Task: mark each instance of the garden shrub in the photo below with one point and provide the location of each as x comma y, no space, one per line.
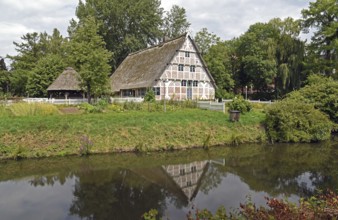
239,104
322,92
295,121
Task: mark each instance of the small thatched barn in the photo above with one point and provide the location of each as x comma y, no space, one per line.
173,69
66,85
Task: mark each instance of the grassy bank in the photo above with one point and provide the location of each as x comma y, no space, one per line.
59,135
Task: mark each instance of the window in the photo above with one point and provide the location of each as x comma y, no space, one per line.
193,169
157,90
180,67
189,83
189,183
187,54
127,93
182,171
184,83
192,68
195,83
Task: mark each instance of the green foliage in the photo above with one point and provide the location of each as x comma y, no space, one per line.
175,22
296,121
220,65
204,40
98,107
151,215
322,92
132,106
43,74
224,94
149,96
89,56
32,109
35,57
125,26
239,104
322,17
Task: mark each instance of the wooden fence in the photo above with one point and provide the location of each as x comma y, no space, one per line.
215,106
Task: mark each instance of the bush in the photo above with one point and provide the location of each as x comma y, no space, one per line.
294,121
322,92
239,104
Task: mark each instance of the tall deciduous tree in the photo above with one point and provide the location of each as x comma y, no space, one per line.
126,26
43,74
175,22
204,40
90,58
33,48
219,64
322,16
4,77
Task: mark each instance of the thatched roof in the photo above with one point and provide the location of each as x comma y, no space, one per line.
142,68
68,80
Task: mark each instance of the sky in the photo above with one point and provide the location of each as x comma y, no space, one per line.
225,18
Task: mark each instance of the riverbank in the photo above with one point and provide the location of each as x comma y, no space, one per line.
61,135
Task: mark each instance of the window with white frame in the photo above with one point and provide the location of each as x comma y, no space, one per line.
187,54
184,83
192,68
195,83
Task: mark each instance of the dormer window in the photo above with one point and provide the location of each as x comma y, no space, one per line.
187,54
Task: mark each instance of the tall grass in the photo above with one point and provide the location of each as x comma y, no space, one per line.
32,109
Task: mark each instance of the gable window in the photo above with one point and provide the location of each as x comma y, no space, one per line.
192,68
195,83
187,54
157,90
184,83
180,67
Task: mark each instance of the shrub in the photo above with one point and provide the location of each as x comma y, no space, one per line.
239,104
88,108
322,92
294,121
132,106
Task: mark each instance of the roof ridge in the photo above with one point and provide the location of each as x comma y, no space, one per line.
158,45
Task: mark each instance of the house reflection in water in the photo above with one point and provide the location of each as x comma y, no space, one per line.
188,177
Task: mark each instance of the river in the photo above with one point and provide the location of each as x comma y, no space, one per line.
124,186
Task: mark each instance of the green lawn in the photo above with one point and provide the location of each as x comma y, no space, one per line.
58,135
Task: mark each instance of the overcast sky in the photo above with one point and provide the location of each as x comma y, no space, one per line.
225,18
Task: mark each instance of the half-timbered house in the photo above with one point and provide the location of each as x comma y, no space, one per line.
173,69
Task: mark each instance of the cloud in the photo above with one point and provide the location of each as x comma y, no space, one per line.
225,18
19,17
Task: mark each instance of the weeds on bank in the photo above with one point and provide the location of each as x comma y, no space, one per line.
324,206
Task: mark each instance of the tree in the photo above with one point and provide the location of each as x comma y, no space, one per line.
90,58
204,40
43,74
34,47
322,16
219,63
175,22
126,26
4,77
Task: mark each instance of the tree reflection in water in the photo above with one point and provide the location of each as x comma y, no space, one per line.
126,186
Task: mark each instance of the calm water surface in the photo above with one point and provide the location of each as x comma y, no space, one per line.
125,186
